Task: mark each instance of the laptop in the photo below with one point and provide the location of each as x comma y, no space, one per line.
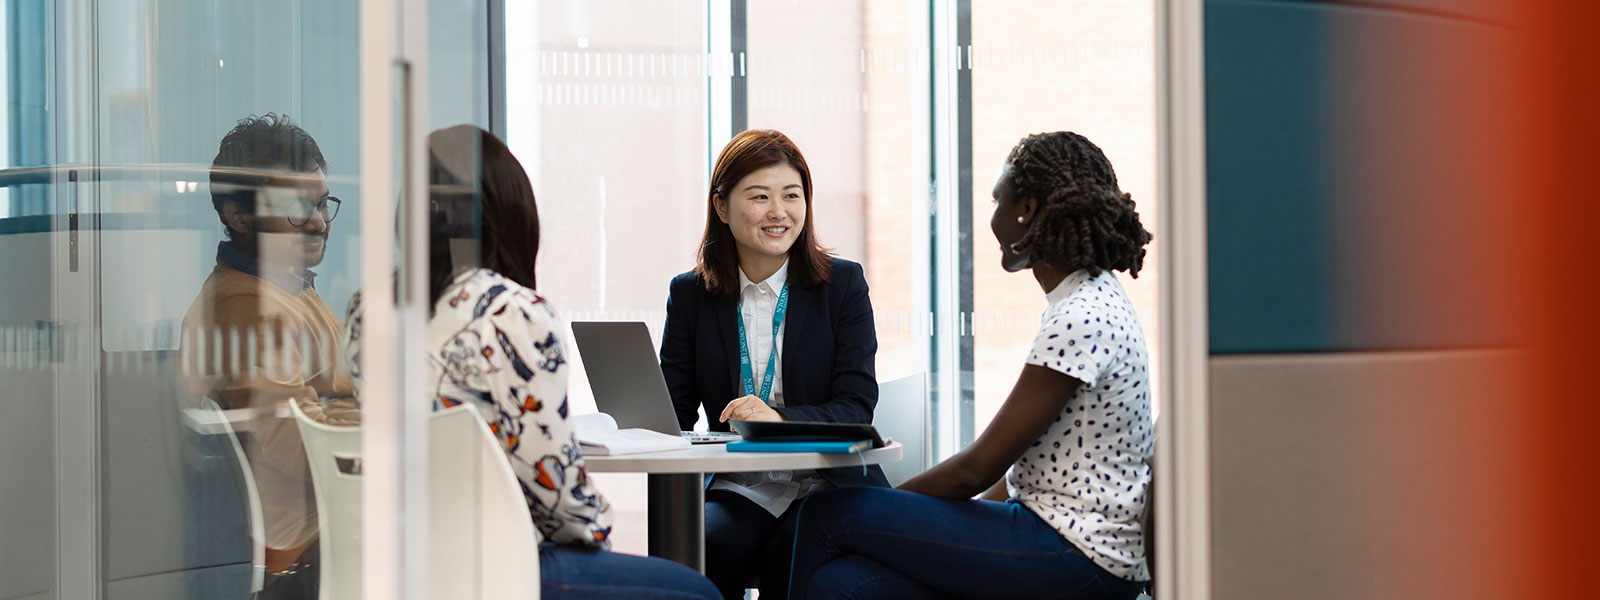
626,378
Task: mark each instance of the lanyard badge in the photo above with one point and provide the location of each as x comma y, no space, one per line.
746,372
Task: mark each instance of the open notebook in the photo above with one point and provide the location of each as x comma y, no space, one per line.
598,435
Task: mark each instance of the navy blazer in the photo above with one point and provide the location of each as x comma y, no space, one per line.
829,348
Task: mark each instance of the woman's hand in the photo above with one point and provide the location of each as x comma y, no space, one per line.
1034,404
997,492
938,482
925,486
749,408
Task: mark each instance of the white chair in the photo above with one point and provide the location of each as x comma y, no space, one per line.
902,414
334,455
211,420
481,539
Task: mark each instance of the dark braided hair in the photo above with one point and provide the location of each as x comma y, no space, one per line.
1084,221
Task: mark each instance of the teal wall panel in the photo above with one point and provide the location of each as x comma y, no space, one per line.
1354,170
1266,113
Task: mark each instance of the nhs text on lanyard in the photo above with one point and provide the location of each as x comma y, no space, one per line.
745,370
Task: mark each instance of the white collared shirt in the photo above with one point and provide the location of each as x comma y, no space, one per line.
757,303
772,490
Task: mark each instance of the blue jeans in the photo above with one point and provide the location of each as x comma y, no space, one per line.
567,572
884,543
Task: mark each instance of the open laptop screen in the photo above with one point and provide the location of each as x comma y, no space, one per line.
625,374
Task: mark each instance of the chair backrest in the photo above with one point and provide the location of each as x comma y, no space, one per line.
334,454
902,414
210,419
481,539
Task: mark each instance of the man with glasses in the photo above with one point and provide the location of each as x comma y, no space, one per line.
259,336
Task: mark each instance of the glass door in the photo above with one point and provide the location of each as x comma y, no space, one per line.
218,171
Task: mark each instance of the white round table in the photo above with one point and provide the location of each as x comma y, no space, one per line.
677,486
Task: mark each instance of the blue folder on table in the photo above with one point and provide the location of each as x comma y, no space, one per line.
778,445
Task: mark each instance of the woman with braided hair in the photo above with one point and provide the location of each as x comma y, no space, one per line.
1063,460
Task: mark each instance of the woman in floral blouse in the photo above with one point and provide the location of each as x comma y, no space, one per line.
493,344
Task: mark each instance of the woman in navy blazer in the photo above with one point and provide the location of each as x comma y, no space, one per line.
761,269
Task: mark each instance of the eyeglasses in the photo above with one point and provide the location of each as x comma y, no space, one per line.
299,212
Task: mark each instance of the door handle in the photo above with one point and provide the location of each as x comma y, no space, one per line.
72,221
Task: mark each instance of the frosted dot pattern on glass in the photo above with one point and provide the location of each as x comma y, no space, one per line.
1086,476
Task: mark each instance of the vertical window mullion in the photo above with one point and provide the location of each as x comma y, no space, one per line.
951,356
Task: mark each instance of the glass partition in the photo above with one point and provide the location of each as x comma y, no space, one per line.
607,109
1085,66
839,77
32,356
225,149
172,175
29,330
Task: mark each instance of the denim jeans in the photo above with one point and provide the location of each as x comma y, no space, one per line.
884,543
566,572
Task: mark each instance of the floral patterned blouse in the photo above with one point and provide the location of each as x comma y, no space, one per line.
493,345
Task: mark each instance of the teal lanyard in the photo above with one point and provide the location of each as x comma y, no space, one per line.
745,371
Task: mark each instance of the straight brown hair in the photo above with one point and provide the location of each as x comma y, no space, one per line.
746,153
479,190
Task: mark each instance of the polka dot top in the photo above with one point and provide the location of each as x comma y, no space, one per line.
1086,476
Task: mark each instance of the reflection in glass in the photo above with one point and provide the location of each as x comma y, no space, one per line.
259,334
300,211
180,309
